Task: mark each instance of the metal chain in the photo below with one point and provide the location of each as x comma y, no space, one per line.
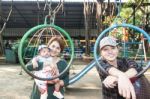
52,12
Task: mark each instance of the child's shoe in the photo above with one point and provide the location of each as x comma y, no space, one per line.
58,95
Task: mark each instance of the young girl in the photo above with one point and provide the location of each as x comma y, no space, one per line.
117,84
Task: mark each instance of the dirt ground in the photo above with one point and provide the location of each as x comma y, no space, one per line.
12,84
16,86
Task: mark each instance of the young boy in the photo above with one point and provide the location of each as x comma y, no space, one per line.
44,57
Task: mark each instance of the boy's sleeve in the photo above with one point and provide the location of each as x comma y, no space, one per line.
133,64
105,65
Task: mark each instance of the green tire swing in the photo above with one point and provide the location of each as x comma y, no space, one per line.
96,46
30,33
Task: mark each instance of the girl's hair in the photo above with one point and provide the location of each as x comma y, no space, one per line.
59,40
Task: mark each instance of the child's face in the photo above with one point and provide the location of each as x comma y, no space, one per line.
109,53
44,52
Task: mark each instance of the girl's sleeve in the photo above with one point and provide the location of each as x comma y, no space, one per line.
29,65
65,77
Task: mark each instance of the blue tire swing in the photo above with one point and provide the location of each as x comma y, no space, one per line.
29,33
96,46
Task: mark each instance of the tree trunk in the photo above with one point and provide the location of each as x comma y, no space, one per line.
99,17
88,21
87,35
1,38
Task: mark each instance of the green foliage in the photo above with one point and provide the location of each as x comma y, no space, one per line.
117,33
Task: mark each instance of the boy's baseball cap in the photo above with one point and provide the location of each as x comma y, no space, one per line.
41,47
109,40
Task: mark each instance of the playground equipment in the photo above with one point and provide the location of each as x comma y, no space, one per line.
127,44
90,65
141,49
31,32
93,63
40,34
116,26
97,58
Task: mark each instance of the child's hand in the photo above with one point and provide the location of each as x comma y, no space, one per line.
61,82
34,62
53,65
41,90
35,65
110,81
